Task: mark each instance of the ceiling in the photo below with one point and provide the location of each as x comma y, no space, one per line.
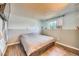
42,8
37,10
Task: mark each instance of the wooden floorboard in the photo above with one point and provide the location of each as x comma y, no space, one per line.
58,51
17,50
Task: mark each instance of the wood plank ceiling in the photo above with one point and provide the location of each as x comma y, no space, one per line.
38,10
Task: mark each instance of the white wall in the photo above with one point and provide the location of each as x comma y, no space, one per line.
70,21
29,24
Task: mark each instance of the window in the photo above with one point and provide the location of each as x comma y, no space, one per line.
53,24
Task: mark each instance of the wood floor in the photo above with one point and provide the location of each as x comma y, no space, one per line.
58,51
17,50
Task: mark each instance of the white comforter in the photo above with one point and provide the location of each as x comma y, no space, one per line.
33,42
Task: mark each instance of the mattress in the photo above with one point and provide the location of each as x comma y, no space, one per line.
33,42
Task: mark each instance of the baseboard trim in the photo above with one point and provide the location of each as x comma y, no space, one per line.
13,43
68,48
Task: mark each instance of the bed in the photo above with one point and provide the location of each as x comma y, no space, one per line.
36,44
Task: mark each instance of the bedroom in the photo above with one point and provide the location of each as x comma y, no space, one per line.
23,23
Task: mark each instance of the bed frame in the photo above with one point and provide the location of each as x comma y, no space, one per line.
42,50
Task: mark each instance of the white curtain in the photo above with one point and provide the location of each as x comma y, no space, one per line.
1,25
3,36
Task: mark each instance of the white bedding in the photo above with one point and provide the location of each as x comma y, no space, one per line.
33,42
